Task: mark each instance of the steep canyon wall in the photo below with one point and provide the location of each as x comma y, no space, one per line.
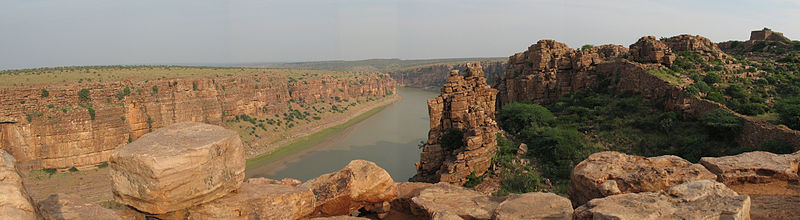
64,130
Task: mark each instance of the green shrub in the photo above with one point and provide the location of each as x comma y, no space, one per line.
84,95
722,123
776,146
155,89
712,78
788,110
587,46
50,171
452,139
102,165
194,86
515,117
73,169
473,180
558,148
519,182
45,93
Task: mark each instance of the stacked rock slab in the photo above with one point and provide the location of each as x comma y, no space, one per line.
467,104
446,201
359,184
15,203
754,167
611,173
550,69
650,50
177,167
66,206
259,199
702,199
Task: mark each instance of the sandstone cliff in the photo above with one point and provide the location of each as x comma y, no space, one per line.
465,107
66,129
549,70
434,76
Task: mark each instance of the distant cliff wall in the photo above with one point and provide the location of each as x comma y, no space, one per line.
63,130
434,76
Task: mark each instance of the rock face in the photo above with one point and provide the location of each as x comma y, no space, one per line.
768,35
444,198
435,76
177,167
550,69
15,203
703,199
357,185
467,104
753,167
259,200
650,50
55,132
534,206
610,173
696,43
72,207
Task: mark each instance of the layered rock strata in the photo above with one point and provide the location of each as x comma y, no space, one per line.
71,207
177,167
15,203
64,129
611,173
702,199
549,70
466,105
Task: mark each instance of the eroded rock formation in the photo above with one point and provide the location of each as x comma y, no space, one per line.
702,199
177,167
15,203
466,105
262,198
650,50
611,173
359,184
59,131
72,207
754,167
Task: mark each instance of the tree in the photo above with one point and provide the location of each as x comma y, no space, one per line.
587,46
45,93
84,95
517,116
722,123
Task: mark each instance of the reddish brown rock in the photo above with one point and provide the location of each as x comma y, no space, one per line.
754,167
534,206
702,199
445,201
699,44
259,200
177,167
72,207
357,185
610,173
15,203
467,104
649,49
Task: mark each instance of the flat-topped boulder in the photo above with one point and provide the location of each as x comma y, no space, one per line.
15,203
702,199
359,184
610,173
259,199
444,199
177,167
534,206
754,167
73,207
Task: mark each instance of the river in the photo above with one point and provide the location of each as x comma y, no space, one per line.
389,138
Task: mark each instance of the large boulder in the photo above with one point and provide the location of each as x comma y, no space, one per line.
650,50
534,206
259,199
754,167
359,184
15,203
703,199
444,200
610,173
176,167
69,207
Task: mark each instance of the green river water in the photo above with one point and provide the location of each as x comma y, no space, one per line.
388,137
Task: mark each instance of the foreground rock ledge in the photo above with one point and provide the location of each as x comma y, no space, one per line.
754,167
359,184
66,206
703,199
14,200
177,167
610,173
259,199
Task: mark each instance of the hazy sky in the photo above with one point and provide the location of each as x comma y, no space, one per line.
38,33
